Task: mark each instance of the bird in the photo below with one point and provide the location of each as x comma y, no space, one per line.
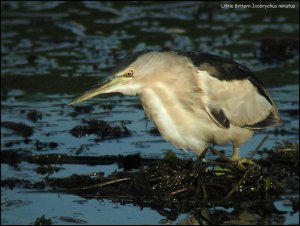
195,99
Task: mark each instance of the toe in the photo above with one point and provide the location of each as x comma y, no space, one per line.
242,163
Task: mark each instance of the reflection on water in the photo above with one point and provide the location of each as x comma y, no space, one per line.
51,51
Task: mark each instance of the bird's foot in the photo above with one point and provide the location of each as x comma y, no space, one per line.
242,163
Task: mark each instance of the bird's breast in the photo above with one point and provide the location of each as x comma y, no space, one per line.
159,104
175,121
185,123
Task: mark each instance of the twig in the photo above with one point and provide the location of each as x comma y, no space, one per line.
204,193
252,153
47,159
178,191
239,183
224,157
107,183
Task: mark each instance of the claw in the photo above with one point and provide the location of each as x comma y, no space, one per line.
242,163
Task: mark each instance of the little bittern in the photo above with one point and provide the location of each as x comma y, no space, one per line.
194,98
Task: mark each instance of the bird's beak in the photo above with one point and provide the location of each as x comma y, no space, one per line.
107,86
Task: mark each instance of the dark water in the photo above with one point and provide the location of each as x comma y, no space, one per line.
51,51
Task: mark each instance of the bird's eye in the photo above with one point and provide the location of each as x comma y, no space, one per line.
128,73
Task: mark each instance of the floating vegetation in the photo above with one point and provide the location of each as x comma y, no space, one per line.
173,186
277,50
81,110
100,128
19,128
42,221
34,116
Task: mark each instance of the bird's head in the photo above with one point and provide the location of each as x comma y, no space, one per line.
134,73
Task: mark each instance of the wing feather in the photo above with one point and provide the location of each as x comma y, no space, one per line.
241,102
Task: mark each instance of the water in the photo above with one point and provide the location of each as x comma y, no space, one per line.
51,51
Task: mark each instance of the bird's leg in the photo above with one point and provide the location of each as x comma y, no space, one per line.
240,162
236,154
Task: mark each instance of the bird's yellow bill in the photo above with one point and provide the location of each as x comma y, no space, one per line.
105,87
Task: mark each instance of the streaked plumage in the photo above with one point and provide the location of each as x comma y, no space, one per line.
194,98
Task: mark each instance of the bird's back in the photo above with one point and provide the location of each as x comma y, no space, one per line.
225,73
